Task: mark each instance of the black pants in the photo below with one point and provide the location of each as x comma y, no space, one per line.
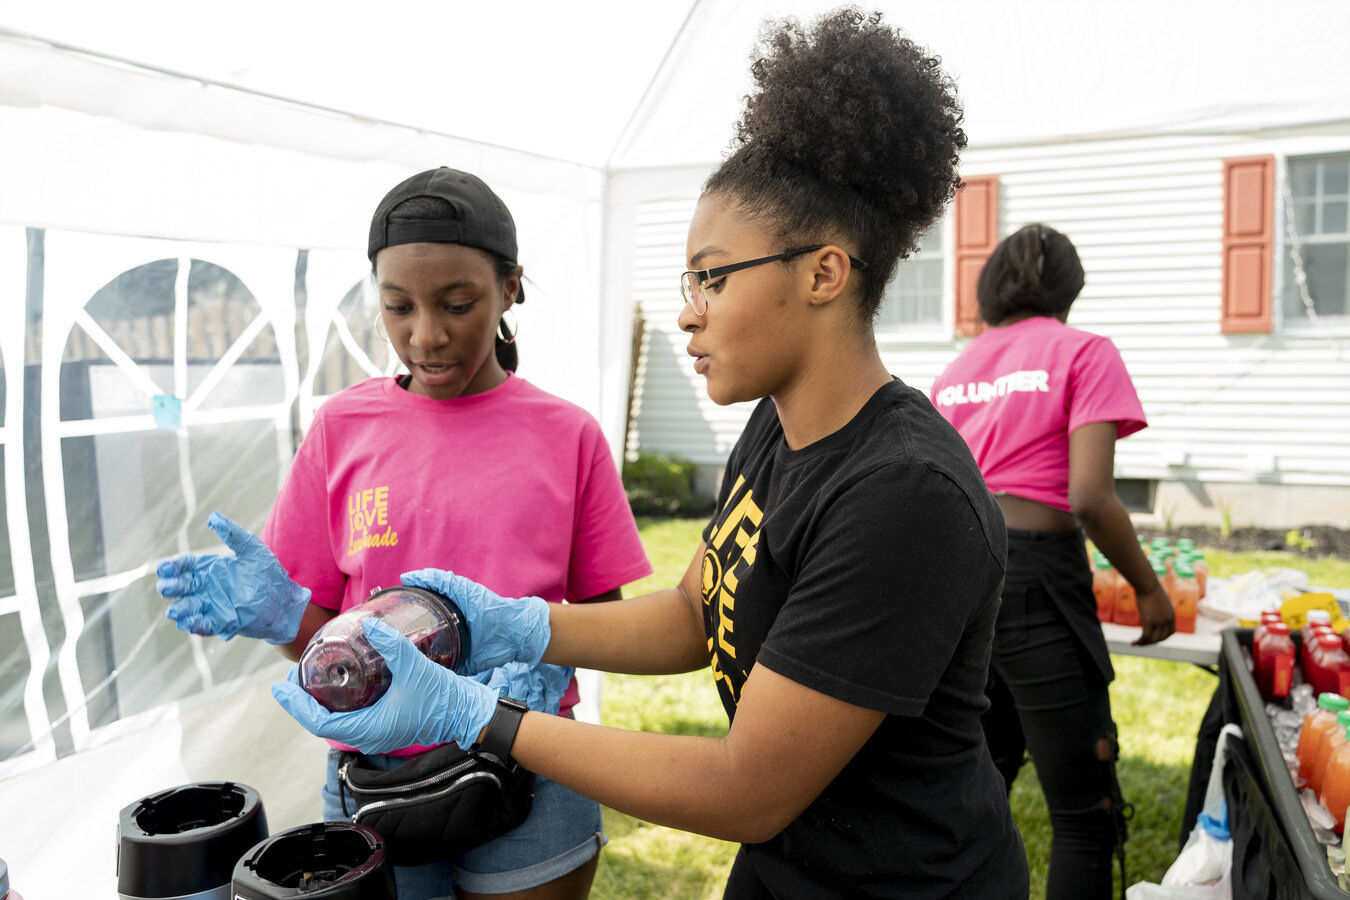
1048,694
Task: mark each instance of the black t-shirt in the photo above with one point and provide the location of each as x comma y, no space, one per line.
867,566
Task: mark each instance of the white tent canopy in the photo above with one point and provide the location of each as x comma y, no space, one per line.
256,137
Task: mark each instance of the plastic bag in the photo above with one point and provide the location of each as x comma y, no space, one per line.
1203,869
1245,596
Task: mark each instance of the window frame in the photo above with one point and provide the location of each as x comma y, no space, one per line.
1281,322
940,330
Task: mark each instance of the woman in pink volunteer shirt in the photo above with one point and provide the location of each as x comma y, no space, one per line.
460,464
1041,406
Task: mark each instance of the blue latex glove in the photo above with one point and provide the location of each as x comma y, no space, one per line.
247,593
501,630
540,687
426,703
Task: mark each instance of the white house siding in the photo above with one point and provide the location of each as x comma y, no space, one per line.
1236,421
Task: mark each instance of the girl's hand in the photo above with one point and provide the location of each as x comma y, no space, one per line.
426,703
1155,615
501,630
246,592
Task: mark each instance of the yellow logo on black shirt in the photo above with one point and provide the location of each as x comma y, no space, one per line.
730,554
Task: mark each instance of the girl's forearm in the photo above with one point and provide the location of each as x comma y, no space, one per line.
655,634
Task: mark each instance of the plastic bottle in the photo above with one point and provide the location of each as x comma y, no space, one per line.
1275,660
1201,571
1104,588
1127,610
1307,634
1329,665
1315,723
1335,795
343,672
1268,617
1185,594
5,892
1327,744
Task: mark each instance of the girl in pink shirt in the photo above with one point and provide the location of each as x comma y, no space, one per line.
460,464
1041,406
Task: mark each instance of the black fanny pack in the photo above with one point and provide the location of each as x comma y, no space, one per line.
438,804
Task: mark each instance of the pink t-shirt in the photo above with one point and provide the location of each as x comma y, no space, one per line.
1016,392
514,488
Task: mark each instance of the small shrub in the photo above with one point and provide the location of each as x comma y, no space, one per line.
660,484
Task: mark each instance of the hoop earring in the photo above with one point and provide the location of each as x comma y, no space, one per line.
509,335
379,329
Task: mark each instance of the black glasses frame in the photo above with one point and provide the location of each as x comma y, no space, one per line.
702,276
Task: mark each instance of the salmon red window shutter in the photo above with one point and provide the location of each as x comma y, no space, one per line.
1248,244
975,220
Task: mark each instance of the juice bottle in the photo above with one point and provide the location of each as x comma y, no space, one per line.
1185,595
1275,659
1327,743
1308,633
1104,588
1314,725
1335,795
1127,610
1328,668
1268,617
1201,571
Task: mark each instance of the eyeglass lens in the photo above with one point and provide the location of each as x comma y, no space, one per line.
692,289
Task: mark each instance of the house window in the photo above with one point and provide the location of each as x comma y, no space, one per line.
914,296
1317,212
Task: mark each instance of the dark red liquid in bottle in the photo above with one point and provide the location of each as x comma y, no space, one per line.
343,672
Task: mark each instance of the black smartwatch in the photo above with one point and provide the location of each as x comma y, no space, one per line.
501,731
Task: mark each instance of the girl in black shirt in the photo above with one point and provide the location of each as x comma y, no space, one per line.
845,593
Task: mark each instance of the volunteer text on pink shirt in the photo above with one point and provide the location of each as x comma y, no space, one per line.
1016,392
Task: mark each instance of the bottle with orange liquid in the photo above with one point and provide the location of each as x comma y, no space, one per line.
1201,571
1275,658
1315,724
1127,610
1335,795
1185,594
1327,744
1104,587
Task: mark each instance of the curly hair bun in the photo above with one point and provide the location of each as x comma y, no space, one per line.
851,128
860,106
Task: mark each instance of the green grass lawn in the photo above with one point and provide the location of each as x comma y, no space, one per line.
1157,706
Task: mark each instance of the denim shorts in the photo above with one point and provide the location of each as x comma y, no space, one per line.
562,833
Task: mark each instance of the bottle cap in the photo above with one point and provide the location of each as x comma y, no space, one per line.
1316,616
1185,544
1184,570
1333,702
1277,628
1328,639
1343,718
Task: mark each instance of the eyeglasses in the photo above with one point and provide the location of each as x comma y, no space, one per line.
692,282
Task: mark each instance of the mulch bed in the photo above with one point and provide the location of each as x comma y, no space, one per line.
1312,541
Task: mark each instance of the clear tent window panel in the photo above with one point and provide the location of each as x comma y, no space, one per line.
1315,263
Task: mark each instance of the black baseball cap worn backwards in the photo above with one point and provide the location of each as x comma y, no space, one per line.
479,218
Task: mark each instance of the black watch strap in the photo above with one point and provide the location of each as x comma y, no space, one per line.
501,731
